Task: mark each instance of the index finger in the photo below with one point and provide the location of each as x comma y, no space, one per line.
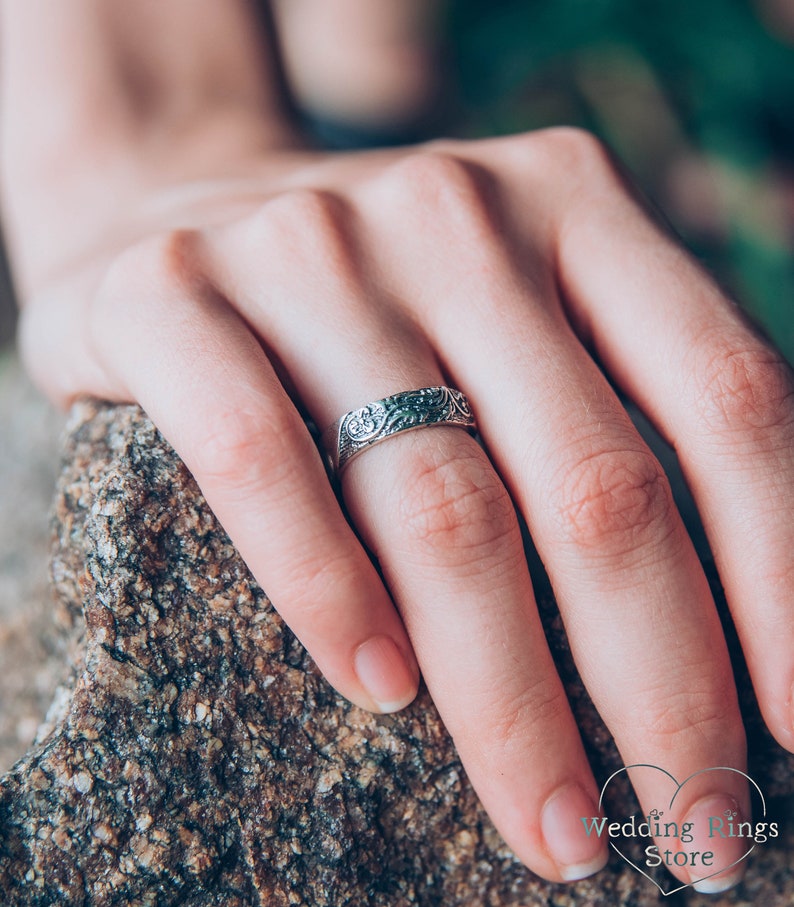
170,342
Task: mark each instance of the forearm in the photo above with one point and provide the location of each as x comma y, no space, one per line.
96,95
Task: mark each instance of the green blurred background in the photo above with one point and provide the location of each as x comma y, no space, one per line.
696,96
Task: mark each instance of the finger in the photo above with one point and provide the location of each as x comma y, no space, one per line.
444,532
205,381
636,604
725,400
627,579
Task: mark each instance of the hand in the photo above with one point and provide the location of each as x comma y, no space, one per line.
324,282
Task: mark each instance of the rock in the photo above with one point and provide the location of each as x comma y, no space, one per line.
32,660
196,756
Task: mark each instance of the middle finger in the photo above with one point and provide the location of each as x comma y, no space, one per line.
437,517
637,607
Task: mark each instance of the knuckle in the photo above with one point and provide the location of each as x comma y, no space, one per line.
453,507
572,150
303,208
318,586
614,502
244,450
451,193
308,221
746,389
139,286
672,722
298,215
533,710
434,169
159,266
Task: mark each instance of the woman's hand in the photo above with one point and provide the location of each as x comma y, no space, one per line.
318,283
174,247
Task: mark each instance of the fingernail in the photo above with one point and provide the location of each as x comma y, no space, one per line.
384,673
576,853
715,826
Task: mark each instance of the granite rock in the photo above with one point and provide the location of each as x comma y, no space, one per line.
196,757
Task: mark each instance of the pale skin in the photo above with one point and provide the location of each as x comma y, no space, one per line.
174,244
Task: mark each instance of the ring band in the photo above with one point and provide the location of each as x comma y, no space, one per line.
406,411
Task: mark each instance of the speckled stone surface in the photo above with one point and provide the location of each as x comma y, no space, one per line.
196,757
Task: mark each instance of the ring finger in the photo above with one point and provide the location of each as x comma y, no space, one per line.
639,614
435,514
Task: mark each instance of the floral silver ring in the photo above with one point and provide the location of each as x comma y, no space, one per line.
405,411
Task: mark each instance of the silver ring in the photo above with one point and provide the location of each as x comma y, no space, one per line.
406,411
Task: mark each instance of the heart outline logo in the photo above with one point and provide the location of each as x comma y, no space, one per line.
679,786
